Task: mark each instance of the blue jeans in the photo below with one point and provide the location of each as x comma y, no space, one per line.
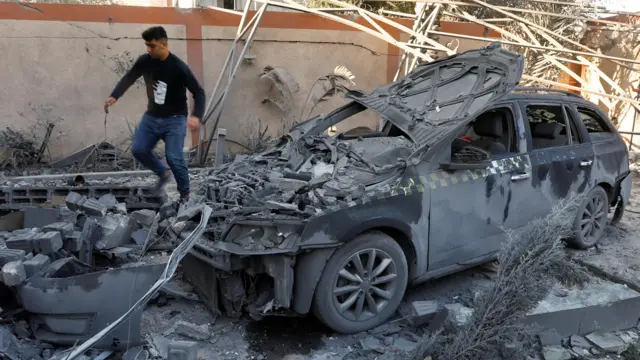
172,131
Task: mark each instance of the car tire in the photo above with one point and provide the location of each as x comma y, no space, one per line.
343,302
591,219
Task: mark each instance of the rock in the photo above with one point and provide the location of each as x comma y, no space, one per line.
9,255
13,273
371,343
274,205
556,353
64,228
385,329
140,236
196,332
405,345
21,329
608,342
458,315
183,350
36,264
74,200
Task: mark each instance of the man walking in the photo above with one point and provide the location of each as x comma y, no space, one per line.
167,78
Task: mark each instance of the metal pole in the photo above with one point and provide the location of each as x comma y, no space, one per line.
635,118
258,15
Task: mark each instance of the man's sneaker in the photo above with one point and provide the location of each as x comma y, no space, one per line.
185,199
161,182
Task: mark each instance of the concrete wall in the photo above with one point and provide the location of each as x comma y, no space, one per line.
62,61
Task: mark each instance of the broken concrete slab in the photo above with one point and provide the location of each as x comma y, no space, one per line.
93,207
13,349
140,236
458,314
577,319
75,290
13,273
136,353
36,264
108,200
48,242
579,341
116,231
608,342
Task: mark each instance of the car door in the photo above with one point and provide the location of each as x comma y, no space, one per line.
560,158
470,207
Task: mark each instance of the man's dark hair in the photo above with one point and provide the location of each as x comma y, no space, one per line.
157,33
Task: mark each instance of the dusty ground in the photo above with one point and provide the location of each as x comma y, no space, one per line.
306,338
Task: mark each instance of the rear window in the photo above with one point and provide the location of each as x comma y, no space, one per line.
596,126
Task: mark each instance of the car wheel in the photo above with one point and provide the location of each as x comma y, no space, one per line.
362,284
591,219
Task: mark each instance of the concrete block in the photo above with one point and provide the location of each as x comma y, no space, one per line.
116,231
13,273
93,207
64,228
182,350
22,241
36,264
423,311
39,217
74,200
193,331
144,217
556,353
73,242
48,242
9,255
108,200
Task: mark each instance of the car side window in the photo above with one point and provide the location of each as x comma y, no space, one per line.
548,126
490,134
592,121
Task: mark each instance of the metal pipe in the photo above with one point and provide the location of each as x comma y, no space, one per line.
220,143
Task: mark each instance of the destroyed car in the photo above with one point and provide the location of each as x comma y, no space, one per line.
340,225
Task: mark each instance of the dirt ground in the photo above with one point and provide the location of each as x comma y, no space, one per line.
305,338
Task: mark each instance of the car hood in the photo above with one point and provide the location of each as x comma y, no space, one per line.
438,97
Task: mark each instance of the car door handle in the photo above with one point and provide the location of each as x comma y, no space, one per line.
520,176
586,163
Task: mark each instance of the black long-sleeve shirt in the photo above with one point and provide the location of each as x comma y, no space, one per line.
167,81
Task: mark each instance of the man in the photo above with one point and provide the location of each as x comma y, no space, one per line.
167,78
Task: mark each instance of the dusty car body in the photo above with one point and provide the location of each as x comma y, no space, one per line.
340,226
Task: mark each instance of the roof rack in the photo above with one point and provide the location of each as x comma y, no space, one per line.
537,89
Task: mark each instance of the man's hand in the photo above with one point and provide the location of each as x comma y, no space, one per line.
193,123
110,101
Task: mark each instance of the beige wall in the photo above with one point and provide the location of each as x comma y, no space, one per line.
72,67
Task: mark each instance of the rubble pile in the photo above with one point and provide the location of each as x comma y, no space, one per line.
56,271
303,178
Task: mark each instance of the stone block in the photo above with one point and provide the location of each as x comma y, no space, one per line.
74,200
108,200
9,255
608,342
182,350
93,207
73,242
64,228
144,217
116,231
13,273
36,264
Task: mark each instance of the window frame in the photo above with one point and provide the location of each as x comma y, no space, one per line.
523,108
601,119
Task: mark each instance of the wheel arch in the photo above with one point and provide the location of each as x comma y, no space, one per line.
310,265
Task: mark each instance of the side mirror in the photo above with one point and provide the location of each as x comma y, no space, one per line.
453,166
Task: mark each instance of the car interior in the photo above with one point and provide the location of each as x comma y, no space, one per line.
492,131
548,126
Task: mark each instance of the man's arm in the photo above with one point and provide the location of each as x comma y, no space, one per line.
128,79
197,91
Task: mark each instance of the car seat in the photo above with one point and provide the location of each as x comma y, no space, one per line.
489,126
547,134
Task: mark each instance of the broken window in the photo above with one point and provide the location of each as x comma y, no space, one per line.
491,132
548,126
595,124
